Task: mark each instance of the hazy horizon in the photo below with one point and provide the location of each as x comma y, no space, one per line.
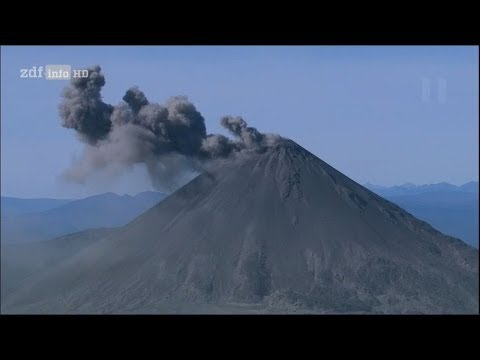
139,192
384,115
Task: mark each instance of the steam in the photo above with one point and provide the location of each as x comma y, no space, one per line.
169,139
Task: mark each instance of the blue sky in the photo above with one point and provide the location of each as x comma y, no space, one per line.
358,108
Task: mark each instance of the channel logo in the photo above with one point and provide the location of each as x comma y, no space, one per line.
53,72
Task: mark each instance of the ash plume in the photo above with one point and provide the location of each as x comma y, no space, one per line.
170,139
82,107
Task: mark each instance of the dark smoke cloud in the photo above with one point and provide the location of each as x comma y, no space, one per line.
250,137
169,139
135,99
82,108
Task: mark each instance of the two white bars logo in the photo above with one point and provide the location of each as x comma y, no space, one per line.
441,90
53,72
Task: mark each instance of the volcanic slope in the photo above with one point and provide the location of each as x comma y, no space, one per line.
278,232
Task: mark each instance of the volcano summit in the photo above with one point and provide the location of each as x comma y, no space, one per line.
276,231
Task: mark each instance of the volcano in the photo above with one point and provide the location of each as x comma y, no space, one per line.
277,231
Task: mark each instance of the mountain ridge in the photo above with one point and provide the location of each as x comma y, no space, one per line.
412,189
101,210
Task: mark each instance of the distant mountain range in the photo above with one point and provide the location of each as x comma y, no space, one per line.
450,209
11,206
27,220
412,189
